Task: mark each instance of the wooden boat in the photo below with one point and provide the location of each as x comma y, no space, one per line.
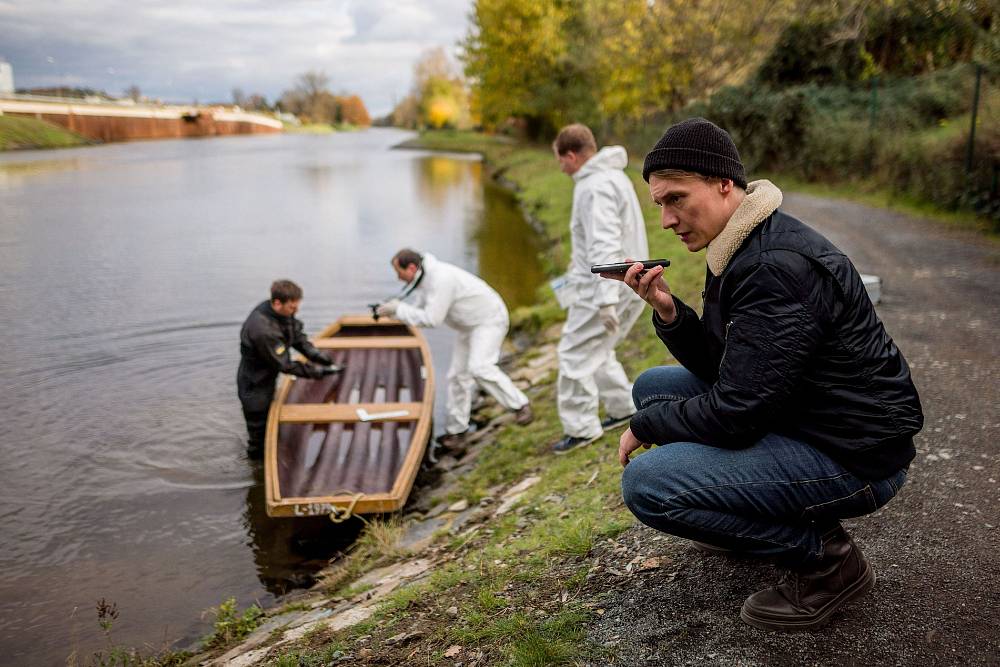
351,443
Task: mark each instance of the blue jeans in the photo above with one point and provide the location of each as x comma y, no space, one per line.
773,499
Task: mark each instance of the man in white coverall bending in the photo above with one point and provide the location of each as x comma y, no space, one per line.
443,293
606,227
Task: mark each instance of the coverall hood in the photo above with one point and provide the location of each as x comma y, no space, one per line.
609,157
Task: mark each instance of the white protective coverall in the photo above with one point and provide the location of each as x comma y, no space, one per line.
447,294
606,227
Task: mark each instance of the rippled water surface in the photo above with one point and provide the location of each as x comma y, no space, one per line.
125,273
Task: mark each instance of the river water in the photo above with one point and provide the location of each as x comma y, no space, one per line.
125,273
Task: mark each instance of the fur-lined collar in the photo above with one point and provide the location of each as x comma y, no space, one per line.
763,198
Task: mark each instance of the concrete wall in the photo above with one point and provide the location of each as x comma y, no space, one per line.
107,122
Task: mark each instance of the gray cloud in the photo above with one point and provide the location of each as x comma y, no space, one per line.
188,49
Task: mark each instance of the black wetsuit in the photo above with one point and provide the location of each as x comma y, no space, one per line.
266,343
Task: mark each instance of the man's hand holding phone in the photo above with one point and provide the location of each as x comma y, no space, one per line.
648,283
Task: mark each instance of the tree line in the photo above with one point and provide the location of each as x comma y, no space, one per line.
605,62
311,100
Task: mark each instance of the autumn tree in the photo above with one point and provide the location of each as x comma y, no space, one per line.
439,95
353,111
440,91
406,113
527,61
310,98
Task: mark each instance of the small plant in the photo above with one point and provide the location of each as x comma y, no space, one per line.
230,625
107,614
122,656
381,538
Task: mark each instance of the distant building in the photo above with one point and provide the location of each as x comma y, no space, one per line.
6,78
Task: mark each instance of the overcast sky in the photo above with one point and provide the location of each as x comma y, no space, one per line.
184,50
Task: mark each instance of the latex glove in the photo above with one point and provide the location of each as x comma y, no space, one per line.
609,318
388,309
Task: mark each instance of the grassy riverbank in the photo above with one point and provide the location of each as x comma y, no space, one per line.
23,133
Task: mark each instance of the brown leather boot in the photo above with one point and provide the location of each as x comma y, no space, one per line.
524,415
806,598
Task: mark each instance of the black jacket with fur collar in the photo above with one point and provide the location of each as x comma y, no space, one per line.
791,344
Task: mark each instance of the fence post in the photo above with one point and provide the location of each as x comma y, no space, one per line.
972,125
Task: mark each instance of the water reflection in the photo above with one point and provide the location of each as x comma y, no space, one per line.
289,552
443,177
508,248
15,174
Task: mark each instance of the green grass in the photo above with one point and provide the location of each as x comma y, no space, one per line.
231,625
553,642
19,133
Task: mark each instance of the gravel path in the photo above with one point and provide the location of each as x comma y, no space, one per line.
935,547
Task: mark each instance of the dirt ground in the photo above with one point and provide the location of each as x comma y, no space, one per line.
934,547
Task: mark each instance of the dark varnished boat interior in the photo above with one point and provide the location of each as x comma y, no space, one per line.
343,458
327,459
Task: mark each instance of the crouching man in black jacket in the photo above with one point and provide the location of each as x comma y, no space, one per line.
793,408
266,342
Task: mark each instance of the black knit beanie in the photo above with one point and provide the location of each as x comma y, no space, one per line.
699,146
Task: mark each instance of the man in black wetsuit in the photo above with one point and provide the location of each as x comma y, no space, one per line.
266,342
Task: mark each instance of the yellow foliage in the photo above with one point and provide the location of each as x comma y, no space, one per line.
567,60
441,111
439,96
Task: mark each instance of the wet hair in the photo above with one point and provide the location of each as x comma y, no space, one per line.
284,291
575,138
407,256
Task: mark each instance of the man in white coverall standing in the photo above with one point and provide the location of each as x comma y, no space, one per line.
606,227
443,293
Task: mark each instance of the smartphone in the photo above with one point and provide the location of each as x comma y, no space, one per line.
647,264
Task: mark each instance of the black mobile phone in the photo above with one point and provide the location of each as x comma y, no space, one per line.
647,264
